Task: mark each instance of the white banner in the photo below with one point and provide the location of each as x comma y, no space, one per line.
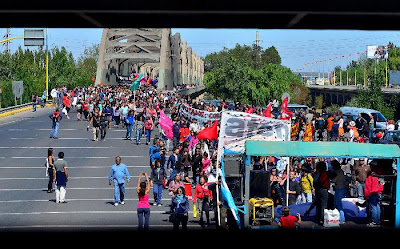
200,115
237,127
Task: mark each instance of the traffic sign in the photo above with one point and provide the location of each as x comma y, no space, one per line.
34,37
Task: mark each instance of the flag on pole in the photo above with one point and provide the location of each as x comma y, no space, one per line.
166,125
267,112
294,130
135,83
148,80
286,114
308,134
210,133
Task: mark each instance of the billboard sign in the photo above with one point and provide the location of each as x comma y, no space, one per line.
377,52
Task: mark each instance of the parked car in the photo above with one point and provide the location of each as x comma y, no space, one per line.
381,121
296,108
391,137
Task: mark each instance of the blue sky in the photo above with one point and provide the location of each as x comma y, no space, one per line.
296,47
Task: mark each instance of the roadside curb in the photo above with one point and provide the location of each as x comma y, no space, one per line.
28,108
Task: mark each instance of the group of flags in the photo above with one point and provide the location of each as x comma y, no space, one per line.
141,79
286,114
210,133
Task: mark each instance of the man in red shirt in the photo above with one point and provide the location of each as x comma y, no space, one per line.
183,133
288,221
372,193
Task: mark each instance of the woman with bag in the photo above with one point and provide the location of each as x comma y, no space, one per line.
143,207
158,176
202,198
180,209
49,169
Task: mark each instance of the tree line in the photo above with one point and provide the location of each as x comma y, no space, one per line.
29,66
251,75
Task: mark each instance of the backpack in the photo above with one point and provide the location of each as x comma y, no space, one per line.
56,116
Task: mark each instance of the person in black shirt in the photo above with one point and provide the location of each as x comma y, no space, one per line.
95,120
294,189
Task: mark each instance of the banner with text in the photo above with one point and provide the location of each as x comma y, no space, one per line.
200,115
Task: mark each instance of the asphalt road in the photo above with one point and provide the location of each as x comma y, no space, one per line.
25,204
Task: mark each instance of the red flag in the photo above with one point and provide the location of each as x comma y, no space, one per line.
210,133
286,113
249,110
267,112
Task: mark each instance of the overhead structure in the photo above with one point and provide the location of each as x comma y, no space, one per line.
154,52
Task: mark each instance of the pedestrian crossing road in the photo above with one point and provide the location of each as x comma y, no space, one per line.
24,201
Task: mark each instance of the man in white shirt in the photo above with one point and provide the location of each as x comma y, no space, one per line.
194,126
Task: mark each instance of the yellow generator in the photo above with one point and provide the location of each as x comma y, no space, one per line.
261,211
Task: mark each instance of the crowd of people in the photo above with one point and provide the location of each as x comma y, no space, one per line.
186,160
313,180
173,163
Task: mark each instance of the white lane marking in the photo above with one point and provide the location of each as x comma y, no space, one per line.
59,129
71,200
74,167
89,226
42,189
84,212
46,178
61,147
70,138
96,157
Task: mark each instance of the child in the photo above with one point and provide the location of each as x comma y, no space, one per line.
288,221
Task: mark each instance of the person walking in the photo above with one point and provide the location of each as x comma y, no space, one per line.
103,126
60,177
157,181
180,208
95,120
35,101
143,207
117,115
321,185
50,169
129,122
56,118
139,124
149,125
202,197
117,176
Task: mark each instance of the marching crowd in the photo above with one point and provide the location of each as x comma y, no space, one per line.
177,165
185,160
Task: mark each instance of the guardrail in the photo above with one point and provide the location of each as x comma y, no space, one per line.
11,108
18,108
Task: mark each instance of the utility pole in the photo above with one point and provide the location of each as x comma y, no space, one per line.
8,42
257,48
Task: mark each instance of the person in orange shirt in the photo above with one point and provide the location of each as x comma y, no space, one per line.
329,122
